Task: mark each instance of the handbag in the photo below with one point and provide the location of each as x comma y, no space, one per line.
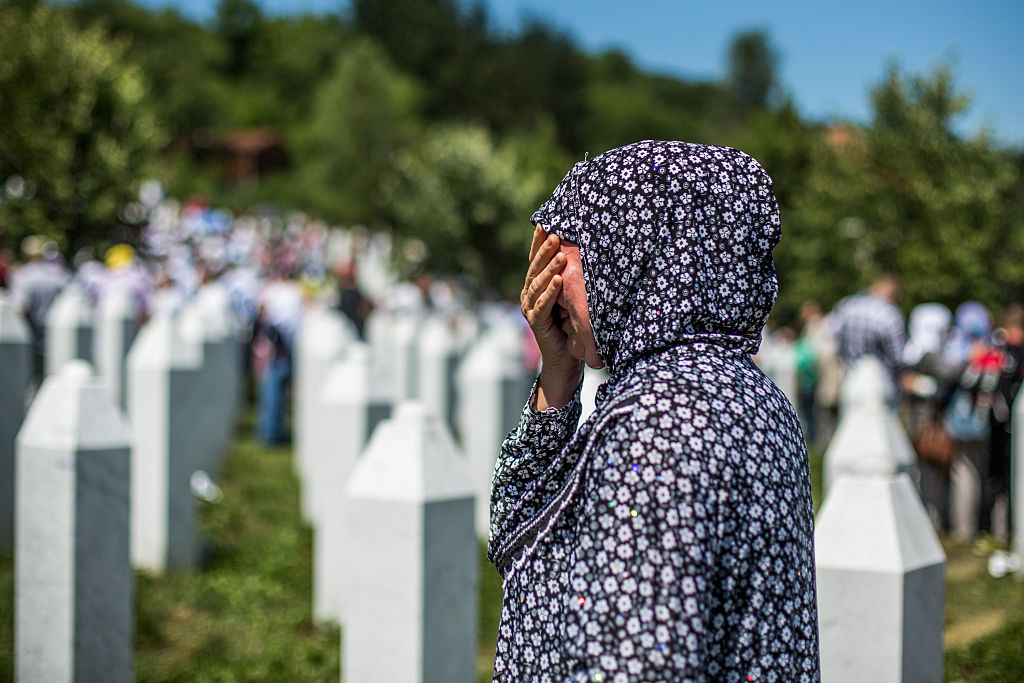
933,443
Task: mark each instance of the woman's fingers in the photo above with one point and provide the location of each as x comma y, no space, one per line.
538,239
545,303
541,256
540,285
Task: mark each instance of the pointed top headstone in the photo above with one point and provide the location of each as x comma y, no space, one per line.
74,410
212,304
411,458
162,344
117,303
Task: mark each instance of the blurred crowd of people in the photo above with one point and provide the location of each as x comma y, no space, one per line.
270,266
953,376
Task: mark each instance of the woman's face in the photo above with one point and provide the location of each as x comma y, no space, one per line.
572,310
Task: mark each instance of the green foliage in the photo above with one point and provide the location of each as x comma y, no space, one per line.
247,615
625,105
239,24
753,63
473,74
179,57
468,199
363,115
907,196
76,129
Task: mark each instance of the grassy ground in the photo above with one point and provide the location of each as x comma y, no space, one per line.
245,616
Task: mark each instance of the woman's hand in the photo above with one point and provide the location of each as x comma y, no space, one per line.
560,372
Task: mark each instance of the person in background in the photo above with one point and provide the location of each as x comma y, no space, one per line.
89,273
927,384
968,417
34,286
6,260
277,323
806,356
126,272
351,300
819,332
1009,341
870,324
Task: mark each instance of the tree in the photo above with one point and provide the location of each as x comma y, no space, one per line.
468,199
240,24
76,131
182,61
753,64
908,196
362,116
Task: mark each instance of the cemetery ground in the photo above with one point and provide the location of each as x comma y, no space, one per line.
246,616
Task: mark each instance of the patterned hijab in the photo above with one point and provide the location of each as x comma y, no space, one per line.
675,240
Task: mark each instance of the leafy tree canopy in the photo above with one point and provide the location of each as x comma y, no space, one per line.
76,132
908,196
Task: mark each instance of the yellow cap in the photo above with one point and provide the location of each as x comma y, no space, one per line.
120,255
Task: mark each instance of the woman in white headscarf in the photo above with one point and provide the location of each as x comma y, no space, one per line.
927,384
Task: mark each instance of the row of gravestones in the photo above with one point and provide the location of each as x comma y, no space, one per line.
397,520
473,383
103,467
880,566
406,565
403,542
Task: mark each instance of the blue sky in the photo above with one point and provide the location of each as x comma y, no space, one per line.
831,53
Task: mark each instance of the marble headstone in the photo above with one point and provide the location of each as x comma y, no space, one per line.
869,437
117,323
15,374
492,389
410,562
164,396
73,574
69,329
350,406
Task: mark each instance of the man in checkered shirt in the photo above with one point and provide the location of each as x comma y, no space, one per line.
869,323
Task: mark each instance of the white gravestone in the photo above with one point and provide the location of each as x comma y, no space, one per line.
439,354
117,323
410,566
207,321
392,337
73,574
220,331
869,433
493,387
592,379
350,406
164,397
15,374
69,329
321,340
880,567
208,423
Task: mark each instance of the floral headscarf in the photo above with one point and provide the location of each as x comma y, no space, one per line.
675,240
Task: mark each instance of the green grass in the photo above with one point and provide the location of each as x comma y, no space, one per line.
246,615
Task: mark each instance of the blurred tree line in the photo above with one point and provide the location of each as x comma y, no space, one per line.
422,118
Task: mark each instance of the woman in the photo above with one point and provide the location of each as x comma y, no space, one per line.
670,537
